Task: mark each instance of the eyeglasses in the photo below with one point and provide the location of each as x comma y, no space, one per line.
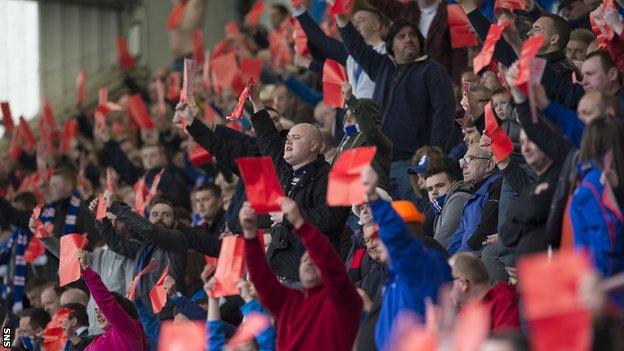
467,159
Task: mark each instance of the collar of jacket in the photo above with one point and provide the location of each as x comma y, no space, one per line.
310,169
554,56
420,59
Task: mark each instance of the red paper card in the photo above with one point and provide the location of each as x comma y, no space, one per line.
186,95
53,336
70,132
473,326
176,16
238,110
344,187
80,86
232,31
47,126
253,325
510,4
530,48
26,134
230,267
187,336
462,34
101,208
225,69
7,118
341,7
484,57
334,75
253,16
138,112
301,40
198,46
69,267
158,295
501,146
199,156
131,293
34,249
262,184
126,61
251,69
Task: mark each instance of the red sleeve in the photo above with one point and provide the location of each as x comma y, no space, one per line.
271,293
505,313
616,49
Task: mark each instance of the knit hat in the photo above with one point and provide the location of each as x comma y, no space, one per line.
408,211
396,28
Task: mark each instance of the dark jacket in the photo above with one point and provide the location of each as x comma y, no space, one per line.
416,99
438,42
173,183
367,116
310,193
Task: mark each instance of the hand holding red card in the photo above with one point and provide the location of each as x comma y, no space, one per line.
262,185
484,57
344,187
253,16
334,75
186,95
462,34
158,295
341,7
69,267
501,146
7,118
138,111
131,293
230,267
530,49
238,110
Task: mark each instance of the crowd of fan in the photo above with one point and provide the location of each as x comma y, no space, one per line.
444,221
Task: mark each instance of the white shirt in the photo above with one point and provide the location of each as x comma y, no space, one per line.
363,86
426,17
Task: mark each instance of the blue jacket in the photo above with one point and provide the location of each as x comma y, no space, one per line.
596,228
415,272
567,120
472,217
218,331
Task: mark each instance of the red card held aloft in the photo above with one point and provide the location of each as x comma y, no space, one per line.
251,69
510,4
253,325
344,187
101,208
230,267
186,95
232,31
26,134
501,144
187,336
462,34
334,75
131,293
158,295
69,267
530,49
238,110
34,249
262,185
484,57
126,61
199,156
253,16
225,69
70,132
7,118
80,86
341,7
53,336
301,40
176,16
138,112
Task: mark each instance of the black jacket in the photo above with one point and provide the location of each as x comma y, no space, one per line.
310,193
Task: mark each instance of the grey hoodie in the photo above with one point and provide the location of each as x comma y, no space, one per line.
447,222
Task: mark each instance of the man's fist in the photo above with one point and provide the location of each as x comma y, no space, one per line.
291,211
170,285
248,220
369,180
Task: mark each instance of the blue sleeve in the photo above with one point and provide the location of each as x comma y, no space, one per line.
567,120
192,172
118,159
304,92
216,335
317,10
188,308
266,339
407,255
150,322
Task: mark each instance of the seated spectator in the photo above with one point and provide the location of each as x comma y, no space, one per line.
33,288
76,328
480,214
328,308
471,284
29,335
577,46
74,296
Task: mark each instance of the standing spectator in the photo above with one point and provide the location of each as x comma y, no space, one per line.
328,307
412,91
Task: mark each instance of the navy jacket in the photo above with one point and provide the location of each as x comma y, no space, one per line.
416,100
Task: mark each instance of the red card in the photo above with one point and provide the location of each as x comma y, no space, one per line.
7,118
501,144
537,71
572,332
160,97
230,267
225,69
301,40
69,267
262,185
101,208
484,57
187,336
198,46
26,134
462,34
344,187
173,89
341,7
131,294
253,16
138,112
158,295
80,86
47,126
34,249
251,69
253,325
238,110
70,132
232,31
530,48
53,336
111,179
15,150
334,75
186,95
473,326
510,4
176,16
199,156
126,61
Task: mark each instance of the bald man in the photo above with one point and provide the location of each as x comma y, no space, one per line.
74,295
302,171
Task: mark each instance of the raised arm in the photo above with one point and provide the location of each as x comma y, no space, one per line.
270,143
12,215
194,15
325,46
368,117
370,60
442,100
118,159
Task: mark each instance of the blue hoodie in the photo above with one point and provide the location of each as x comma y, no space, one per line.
414,274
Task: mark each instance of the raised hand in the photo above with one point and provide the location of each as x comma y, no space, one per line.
170,285
291,211
248,220
369,179
83,258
